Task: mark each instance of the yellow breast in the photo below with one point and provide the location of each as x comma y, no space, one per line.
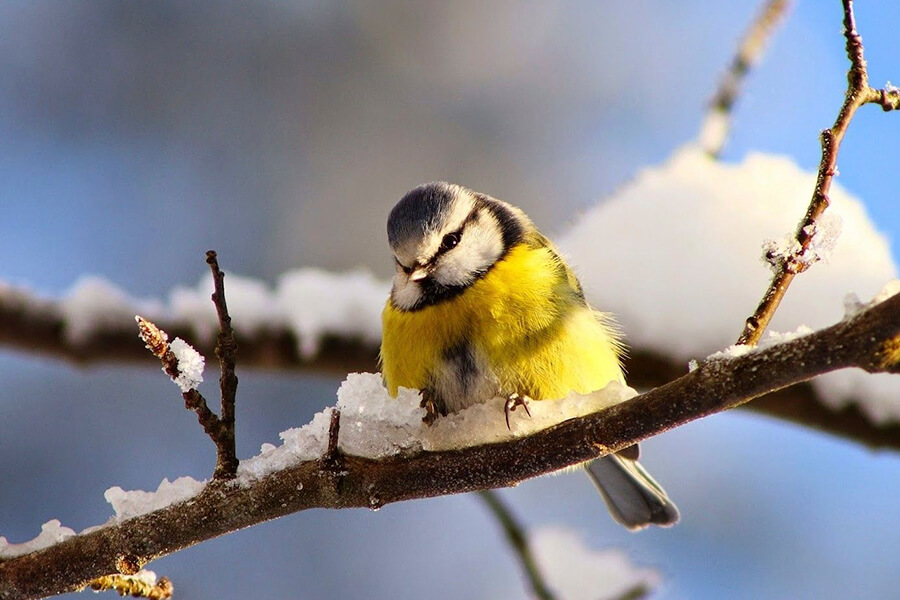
525,319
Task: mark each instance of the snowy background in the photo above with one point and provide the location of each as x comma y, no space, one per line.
136,136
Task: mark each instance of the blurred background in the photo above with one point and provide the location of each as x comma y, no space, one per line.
136,135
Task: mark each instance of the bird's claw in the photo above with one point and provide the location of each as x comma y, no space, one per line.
513,401
431,413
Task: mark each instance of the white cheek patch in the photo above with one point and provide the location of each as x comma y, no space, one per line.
480,247
406,294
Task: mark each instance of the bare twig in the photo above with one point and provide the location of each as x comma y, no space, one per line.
858,93
226,460
333,454
716,125
515,535
156,341
870,340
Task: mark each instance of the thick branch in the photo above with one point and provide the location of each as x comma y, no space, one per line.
869,341
858,93
36,325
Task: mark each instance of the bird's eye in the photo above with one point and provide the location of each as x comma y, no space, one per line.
450,241
403,267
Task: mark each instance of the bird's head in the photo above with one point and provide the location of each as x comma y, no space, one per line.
444,237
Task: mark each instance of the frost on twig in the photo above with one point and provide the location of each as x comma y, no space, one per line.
142,584
789,254
180,361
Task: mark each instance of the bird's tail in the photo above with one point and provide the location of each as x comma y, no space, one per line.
633,498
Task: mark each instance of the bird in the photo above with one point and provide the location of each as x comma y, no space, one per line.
483,305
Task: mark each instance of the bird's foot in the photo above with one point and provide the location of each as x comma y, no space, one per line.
431,412
513,401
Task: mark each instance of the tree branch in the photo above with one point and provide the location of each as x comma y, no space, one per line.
515,535
870,340
716,125
226,456
858,93
37,325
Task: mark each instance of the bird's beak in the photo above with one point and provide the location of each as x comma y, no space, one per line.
419,274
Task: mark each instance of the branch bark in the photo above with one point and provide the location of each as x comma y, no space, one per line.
870,340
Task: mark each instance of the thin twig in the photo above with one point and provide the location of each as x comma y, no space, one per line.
226,456
717,123
333,452
515,535
870,340
858,93
157,342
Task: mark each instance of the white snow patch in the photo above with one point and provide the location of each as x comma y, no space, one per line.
674,255
144,576
298,444
93,304
771,338
52,532
315,303
374,425
575,571
310,302
714,130
190,365
486,423
134,503
251,305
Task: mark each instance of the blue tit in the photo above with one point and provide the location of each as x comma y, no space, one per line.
483,305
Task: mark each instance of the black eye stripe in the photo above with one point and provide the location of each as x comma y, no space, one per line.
452,239
406,269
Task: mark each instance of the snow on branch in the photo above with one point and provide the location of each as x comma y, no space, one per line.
869,340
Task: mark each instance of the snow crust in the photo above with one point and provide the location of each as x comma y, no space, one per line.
374,425
575,571
770,338
52,532
134,503
674,255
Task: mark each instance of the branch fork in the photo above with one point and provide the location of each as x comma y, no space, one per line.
220,429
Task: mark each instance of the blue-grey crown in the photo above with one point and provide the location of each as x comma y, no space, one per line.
419,211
